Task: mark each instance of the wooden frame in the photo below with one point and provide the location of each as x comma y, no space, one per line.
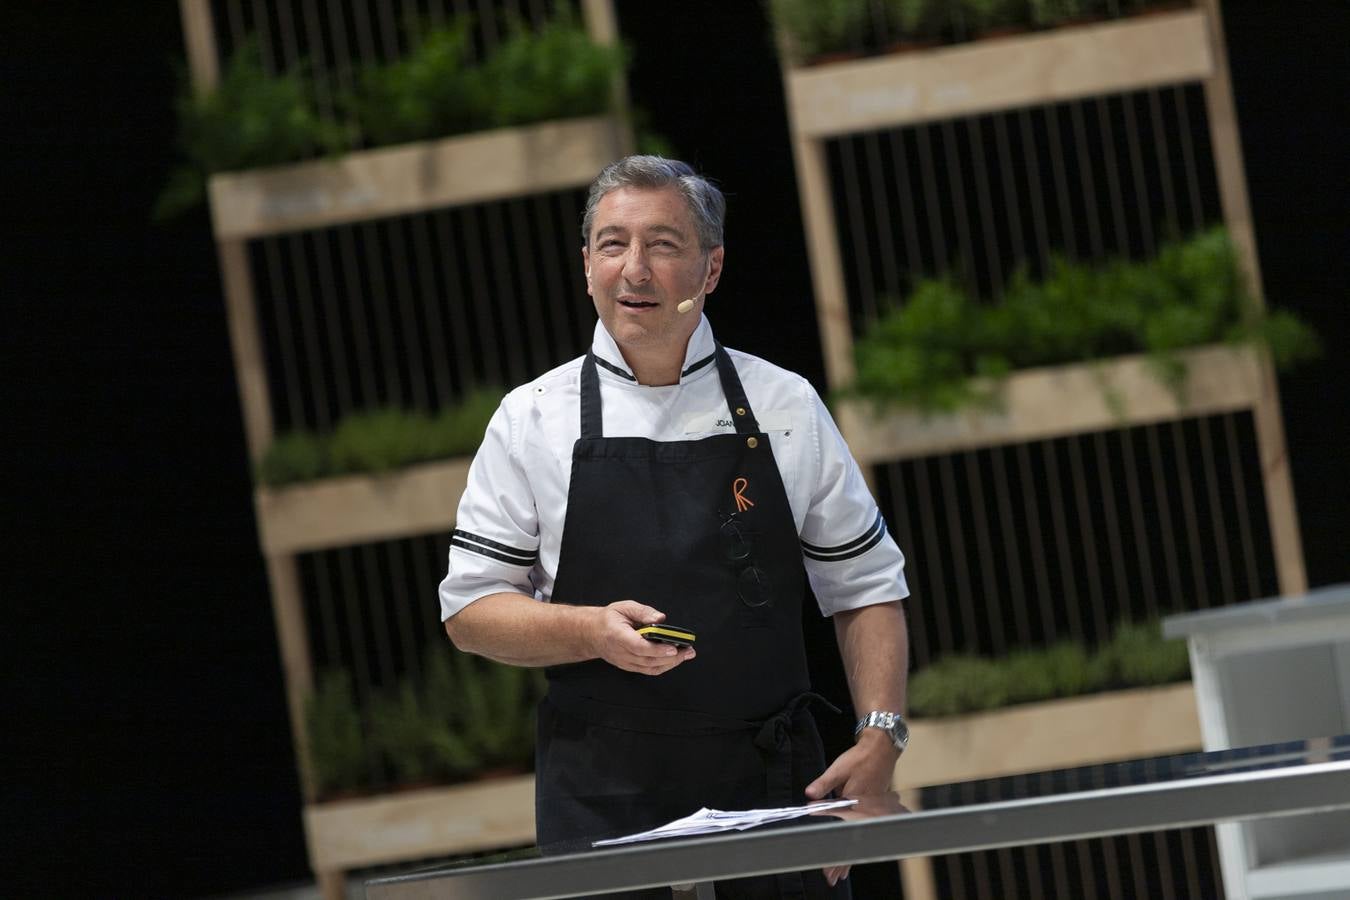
359,509
1056,734
462,818
1055,401
390,181
985,76
409,178
831,100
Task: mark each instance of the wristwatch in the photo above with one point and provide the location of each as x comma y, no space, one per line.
891,723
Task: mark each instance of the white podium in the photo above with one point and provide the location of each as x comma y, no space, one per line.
1266,672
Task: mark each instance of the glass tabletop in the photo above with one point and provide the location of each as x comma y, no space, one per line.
1171,791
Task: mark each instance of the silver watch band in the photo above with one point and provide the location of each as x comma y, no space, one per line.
890,722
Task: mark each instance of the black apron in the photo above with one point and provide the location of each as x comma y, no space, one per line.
702,531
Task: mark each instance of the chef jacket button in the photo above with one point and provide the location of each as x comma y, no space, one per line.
752,442
740,410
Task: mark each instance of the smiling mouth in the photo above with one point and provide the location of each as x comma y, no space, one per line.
635,303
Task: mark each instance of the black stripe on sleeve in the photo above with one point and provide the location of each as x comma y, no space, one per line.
854,548
492,549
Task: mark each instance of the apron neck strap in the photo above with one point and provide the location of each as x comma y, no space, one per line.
592,418
741,413
592,421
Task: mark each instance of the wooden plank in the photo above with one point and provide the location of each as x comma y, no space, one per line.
1058,401
358,509
1079,731
199,37
390,181
1281,509
603,29
419,824
288,617
990,75
250,368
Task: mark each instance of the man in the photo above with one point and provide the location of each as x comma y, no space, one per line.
662,478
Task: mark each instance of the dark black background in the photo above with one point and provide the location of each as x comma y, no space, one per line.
143,711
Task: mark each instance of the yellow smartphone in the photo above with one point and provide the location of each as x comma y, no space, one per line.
668,634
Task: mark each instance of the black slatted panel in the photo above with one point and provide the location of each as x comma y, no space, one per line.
1020,546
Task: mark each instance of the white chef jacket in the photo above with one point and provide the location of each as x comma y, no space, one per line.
509,529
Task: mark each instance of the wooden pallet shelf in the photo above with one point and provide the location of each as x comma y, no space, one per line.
1057,401
420,824
409,178
358,509
1005,73
1075,731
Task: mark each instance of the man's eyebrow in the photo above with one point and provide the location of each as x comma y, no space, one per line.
667,229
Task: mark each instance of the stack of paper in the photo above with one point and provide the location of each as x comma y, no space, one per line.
708,821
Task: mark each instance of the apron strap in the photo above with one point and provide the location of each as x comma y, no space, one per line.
741,413
592,420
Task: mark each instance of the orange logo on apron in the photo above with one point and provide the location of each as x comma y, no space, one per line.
742,502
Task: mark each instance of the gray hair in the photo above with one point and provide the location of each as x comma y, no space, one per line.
705,201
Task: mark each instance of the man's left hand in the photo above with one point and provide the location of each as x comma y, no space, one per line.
863,770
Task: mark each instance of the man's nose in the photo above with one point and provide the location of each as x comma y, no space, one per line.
635,268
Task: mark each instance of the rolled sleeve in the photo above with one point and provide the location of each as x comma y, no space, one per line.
851,559
495,545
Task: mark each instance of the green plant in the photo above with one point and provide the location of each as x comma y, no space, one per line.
554,72
942,350
250,119
916,18
957,684
431,92
494,709
297,456
337,747
1137,655
380,441
817,27
980,15
1046,13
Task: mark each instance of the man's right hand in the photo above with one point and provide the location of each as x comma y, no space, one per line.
618,643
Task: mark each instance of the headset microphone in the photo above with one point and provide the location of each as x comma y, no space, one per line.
685,305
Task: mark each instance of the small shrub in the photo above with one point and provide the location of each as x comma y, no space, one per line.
819,27
431,92
957,684
337,747
1136,656
298,456
250,119
942,350
552,73
381,441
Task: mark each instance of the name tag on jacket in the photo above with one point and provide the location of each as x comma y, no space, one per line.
772,420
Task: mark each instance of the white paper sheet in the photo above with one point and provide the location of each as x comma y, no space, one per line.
709,821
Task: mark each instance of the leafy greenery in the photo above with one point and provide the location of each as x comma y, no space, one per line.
553,72
818,27
941,350
380,441
251,119
337,747
1136,656
433,91
467,715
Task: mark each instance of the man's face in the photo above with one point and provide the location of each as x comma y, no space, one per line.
643,259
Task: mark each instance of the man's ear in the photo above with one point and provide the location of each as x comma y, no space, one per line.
715,258
586,266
